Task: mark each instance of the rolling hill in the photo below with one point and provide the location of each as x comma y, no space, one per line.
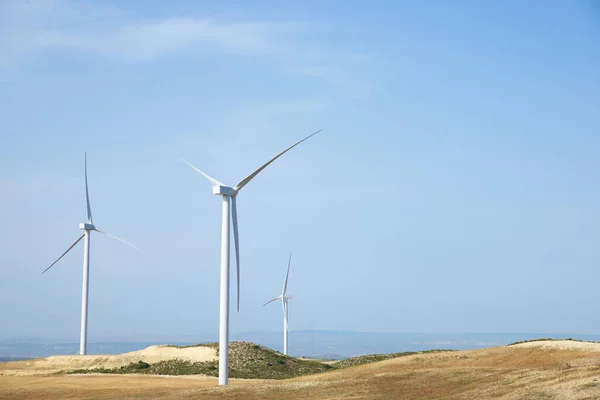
532,370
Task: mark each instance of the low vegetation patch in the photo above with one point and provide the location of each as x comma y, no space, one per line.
246,360
550,339
212,345
354,361
249,360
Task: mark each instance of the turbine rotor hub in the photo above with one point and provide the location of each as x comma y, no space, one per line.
221,190
87,227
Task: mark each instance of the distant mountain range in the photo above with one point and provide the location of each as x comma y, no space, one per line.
314,344
5,359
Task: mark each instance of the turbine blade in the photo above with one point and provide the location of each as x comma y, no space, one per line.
210,178
63,254
270,301
237,246
286,276
121,240
247,179
87,195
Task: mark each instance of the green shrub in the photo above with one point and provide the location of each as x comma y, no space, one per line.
247,361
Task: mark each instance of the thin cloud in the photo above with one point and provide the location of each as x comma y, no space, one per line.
34,29
151,40
47,26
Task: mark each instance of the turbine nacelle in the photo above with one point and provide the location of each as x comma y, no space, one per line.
87,227
222,190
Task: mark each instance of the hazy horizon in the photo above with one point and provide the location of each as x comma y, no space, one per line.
330,344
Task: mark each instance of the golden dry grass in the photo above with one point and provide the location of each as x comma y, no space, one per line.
515,372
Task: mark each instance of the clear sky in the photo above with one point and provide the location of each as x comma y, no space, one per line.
454,187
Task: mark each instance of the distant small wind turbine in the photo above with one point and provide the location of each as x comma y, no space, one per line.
87,228
284,304
229,194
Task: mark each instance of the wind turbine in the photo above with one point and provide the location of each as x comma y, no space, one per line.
229,195
284,304
87,228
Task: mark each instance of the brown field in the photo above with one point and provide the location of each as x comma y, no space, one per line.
531,371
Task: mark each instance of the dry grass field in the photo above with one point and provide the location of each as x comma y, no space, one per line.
539,370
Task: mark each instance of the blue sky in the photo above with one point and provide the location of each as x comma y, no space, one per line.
453,189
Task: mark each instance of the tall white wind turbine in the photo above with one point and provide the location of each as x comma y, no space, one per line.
87,228
229,194
284,303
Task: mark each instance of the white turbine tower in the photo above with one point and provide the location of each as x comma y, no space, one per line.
87,228
229,194
284,303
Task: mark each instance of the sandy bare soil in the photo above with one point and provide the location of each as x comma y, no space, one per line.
151,355
508,373
561,345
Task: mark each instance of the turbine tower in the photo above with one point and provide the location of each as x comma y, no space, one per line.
284,304
229,195
87,228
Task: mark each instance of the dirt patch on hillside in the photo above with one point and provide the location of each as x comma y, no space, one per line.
561,345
